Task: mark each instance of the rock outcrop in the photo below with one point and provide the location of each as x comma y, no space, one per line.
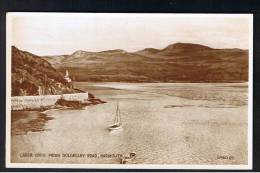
31,72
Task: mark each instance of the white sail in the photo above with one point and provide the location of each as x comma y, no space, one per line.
117,121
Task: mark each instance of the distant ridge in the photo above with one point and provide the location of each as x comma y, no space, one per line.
179,62
114,51
187,46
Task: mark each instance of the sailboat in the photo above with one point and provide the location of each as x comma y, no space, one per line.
117,121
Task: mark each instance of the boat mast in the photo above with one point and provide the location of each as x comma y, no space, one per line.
116,118
118,114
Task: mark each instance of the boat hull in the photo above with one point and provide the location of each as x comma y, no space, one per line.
114,128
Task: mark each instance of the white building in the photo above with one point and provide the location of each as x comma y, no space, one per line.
67,77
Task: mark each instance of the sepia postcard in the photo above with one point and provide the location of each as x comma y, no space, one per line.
135,91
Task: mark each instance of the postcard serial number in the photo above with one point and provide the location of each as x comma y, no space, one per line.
225,157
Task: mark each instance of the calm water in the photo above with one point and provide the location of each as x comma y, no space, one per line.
162,123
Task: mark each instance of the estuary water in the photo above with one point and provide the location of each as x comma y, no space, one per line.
163,123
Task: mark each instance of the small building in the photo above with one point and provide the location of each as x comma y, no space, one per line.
67,77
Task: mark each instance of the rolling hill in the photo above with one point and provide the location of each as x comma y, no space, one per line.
180,62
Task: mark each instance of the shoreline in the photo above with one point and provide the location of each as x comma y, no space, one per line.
45,102
65,105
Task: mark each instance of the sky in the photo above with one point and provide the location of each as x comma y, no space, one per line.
59,34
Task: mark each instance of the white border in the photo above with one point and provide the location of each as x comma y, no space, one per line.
120,166
250,96
8,89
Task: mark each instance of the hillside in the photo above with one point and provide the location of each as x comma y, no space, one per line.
30,71
180,62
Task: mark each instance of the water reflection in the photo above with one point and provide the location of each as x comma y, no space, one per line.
28,121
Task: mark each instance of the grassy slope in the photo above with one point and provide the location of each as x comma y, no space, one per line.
30,71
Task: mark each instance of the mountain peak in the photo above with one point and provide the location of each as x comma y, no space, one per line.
114,51
187,46
149,50
79,53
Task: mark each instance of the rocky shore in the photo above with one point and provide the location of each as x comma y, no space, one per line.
61,103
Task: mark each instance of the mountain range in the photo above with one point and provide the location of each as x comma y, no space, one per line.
179,62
